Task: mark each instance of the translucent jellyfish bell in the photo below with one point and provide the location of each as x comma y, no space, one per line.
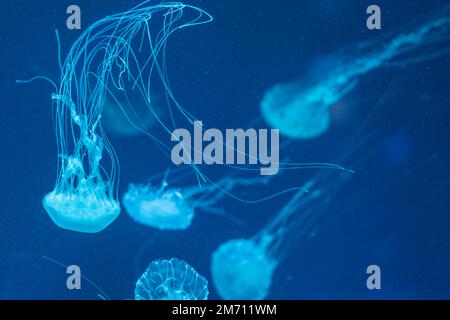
284,106
300,109
171,279
81,213
250,261
165,210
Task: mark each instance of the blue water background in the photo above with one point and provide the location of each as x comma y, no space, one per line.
394,213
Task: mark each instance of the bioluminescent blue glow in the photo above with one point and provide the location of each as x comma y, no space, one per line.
114,56
165,209
171,279
300,109
119,119
243,268
172,208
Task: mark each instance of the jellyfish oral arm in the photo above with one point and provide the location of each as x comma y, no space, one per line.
81,200
91,141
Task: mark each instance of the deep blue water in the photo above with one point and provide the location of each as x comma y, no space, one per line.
394,212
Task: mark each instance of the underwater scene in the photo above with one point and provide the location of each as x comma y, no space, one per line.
235,150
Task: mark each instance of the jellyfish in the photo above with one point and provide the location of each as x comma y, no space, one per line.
242,269
173,208
114,57
246,272
300,109
171,279
116,118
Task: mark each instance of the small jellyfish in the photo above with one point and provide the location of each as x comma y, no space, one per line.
243,268
157,207
125,120
171,279
174,208
249,260
300,109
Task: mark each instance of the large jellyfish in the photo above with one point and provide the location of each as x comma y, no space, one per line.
300,109
171,279
172,208
119,53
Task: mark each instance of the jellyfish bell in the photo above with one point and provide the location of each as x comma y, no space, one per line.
171,279
242,270
80,213
155,207
295,115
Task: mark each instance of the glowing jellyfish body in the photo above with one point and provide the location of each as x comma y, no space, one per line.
83,201
171,279
250,261
81,213
118,54
165,210
300,109
168,208
296,115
